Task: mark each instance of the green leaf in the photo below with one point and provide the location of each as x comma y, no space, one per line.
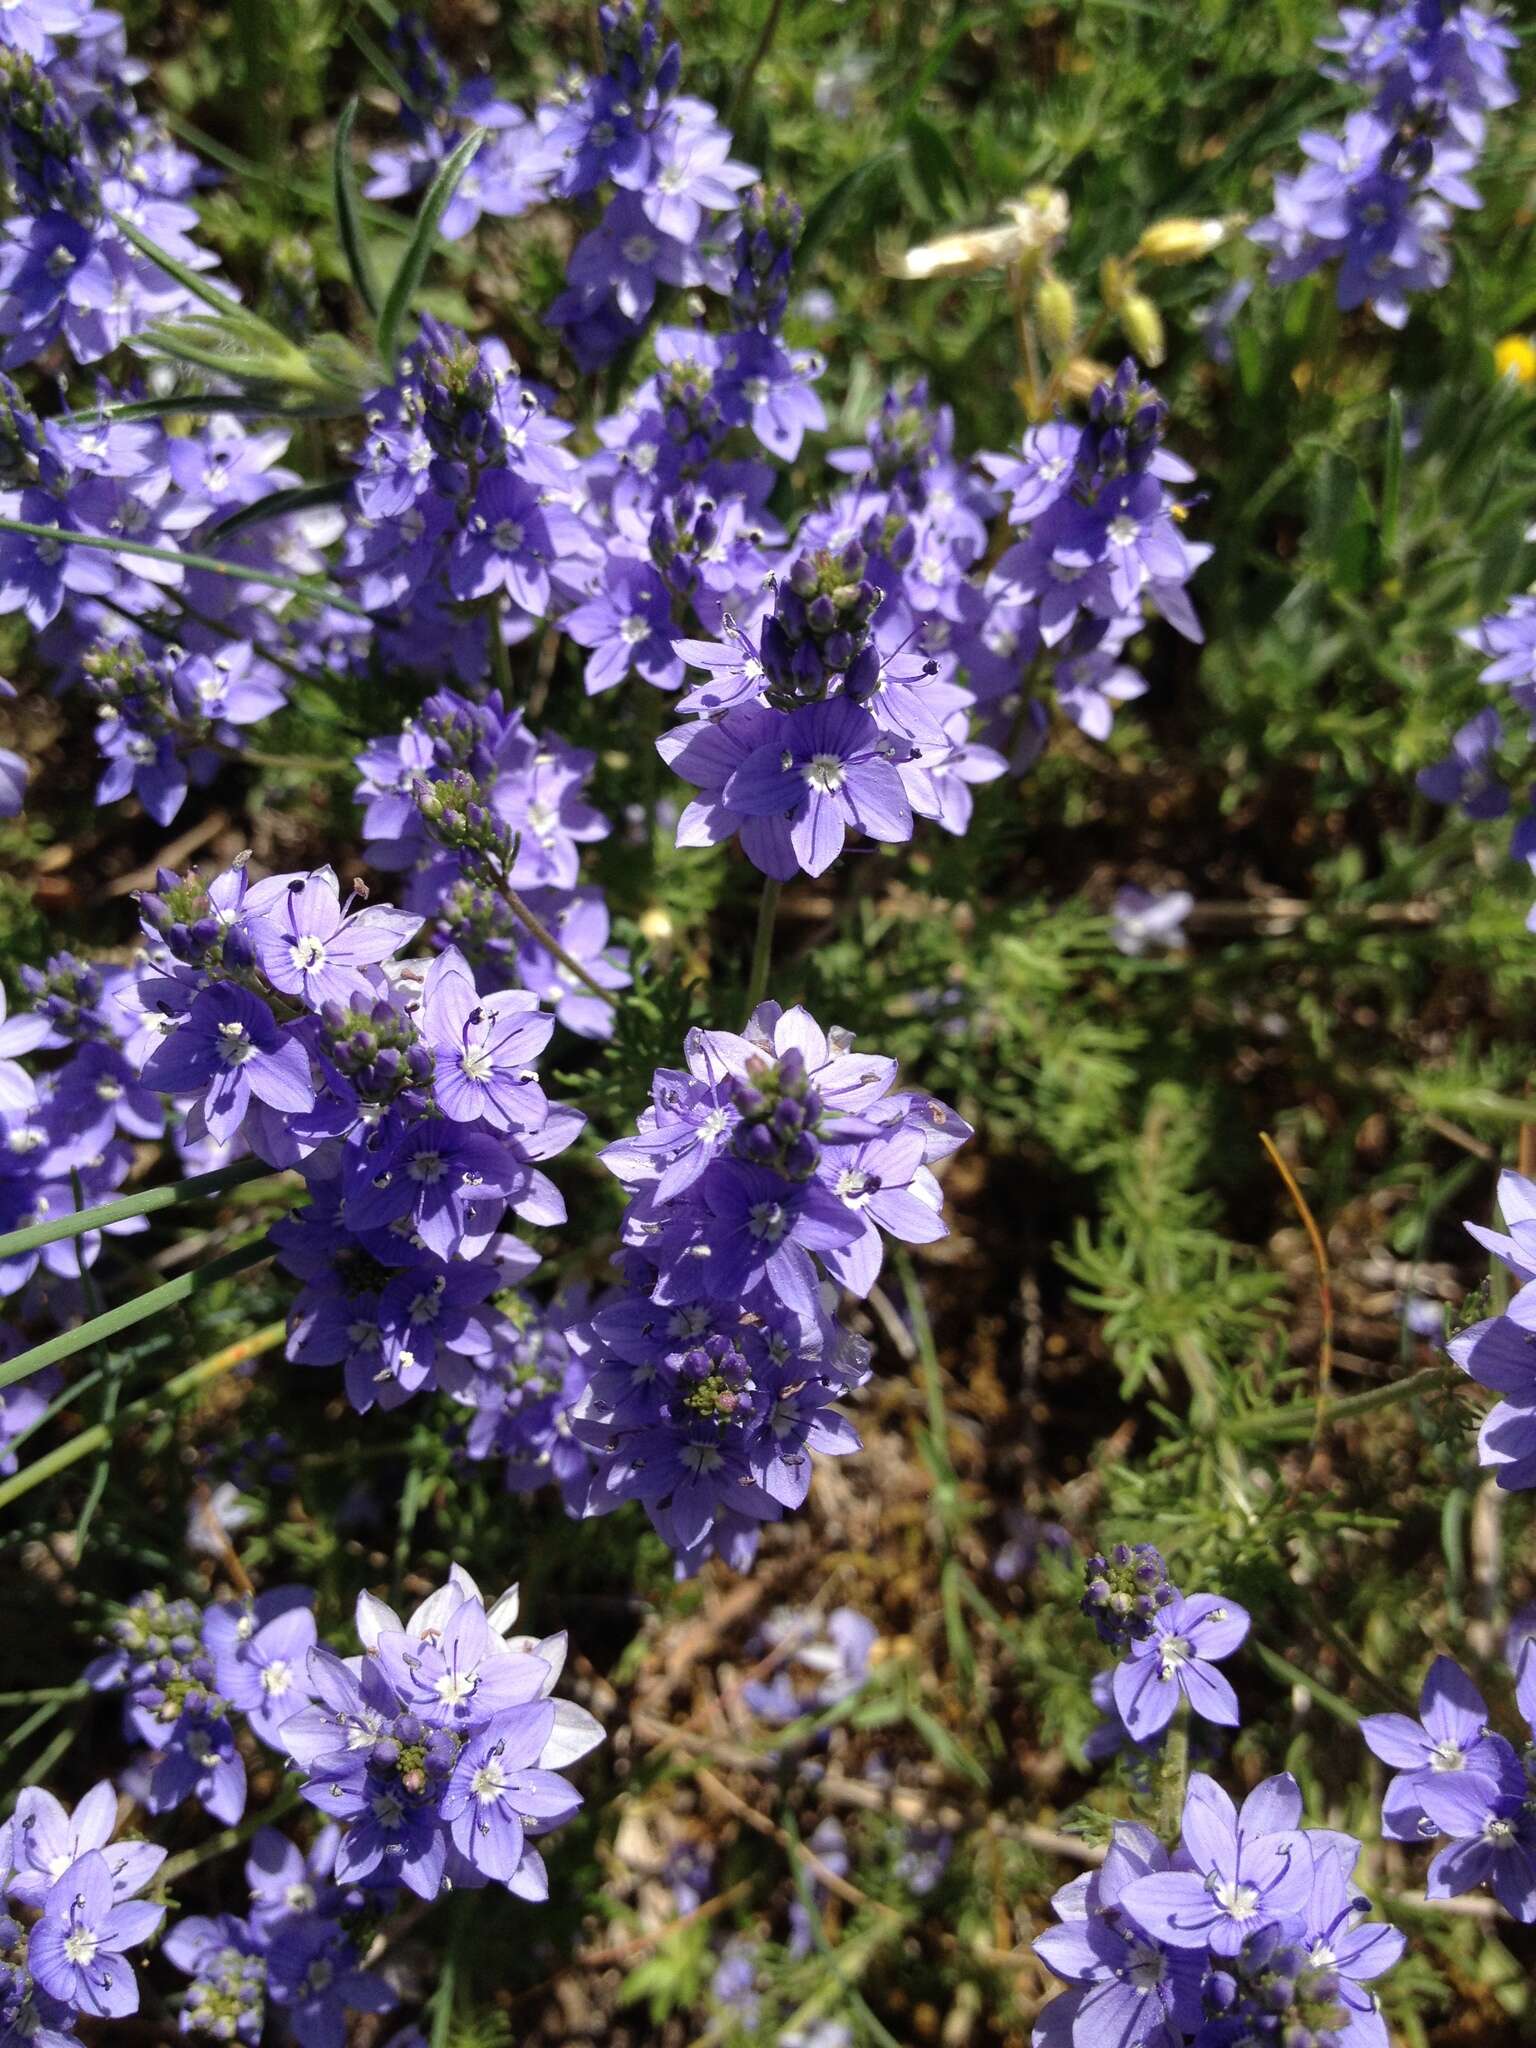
301,586
277,505
839,198
937,168
36,1235
222,302
1392,475
349,224
414,262
70,1343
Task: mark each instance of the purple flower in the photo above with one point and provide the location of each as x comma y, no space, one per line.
78,1949
1451,1736
309,946
828,768
21,1034
1466,776
1493,1838
1242,1869
46,1839
1176,1661
482,1048
314,1975
228,1048
1143,920
1135,1988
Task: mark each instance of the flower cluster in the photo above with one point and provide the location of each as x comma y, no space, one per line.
1377,199
66,1134
277,1015
1471,775
70,1912
459,510
439,1750
292,1950
1251,1930
1171,1641
509,173
777,1157
472,804
1454,1777
185,1673
666,163
177,659
77,156
1500,1351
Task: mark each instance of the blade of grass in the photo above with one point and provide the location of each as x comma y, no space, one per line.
301,586
187,1382
70,1343
194,1189
417,251
349,226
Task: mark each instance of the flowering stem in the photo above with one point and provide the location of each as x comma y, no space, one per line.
1173,1775
1292,1674
1299,1418
36,1235
763,45
762,944
501,660
100,1328
301,586
551,944
226,1839
97,1437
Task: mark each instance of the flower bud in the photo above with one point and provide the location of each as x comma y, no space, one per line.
1143,326
1182,239
1056,311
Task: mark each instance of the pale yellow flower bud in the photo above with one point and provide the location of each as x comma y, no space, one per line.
1183,239
1056,312
1143,327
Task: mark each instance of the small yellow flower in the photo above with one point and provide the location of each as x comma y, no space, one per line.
1515,356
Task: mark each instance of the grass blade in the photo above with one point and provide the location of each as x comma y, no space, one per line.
70,1343
414,262
301,586
277,505
349,224
36,1235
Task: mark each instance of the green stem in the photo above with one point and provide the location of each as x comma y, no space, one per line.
501,657
1300,1418
36,1235
762,944
94,1439
763,45
1292,1674
97,1331
227,1839
1173,1775
552,945
301,586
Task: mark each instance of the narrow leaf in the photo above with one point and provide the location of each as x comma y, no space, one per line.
419,248
302,586
36,1235
348,212
278,504
70,1343
222,302
1392,475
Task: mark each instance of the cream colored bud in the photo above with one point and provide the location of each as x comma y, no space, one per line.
1143,327
1183,239
1056,311
655,925
962,255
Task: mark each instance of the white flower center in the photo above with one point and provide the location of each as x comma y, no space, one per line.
277,1678
80,1946
308,953
825,772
